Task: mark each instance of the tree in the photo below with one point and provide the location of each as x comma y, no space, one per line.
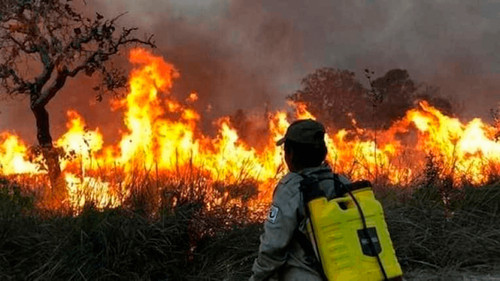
431,94
336,96
45,42
332,95
397,92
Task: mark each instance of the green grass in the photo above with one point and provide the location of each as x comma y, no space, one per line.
433,240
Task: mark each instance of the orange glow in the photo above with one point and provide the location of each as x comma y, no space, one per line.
163,134
14,156
193,96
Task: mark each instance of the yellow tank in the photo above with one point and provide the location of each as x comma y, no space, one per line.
342,244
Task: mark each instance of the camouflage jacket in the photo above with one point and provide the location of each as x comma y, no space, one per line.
281,257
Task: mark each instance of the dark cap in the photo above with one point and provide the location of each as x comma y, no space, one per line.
305,131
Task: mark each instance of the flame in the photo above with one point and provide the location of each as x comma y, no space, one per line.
14,156
79,140
163,134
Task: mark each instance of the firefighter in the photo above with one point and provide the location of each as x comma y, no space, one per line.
285,252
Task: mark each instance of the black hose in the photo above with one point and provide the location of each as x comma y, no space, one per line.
365,231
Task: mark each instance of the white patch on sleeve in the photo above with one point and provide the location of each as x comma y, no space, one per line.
273,214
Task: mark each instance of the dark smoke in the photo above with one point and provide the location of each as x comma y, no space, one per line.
251,54
234,54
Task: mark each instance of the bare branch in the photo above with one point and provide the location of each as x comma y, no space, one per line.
98,57
20,86
112,21
22,45
51,91
48,68
63,39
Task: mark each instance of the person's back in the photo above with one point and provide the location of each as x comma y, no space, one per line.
283,254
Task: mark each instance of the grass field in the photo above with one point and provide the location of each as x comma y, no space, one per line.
459,240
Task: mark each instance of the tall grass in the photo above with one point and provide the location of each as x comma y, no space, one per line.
181,241
447,237
147,238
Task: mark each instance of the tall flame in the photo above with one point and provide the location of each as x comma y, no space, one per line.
162,134
13,156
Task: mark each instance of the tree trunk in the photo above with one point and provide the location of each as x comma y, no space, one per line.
57,191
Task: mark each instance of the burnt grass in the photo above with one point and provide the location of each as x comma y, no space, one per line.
433,240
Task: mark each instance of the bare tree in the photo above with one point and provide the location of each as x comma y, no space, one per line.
45,42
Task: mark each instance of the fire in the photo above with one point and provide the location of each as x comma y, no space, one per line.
163,135
79,140
14,156
467,149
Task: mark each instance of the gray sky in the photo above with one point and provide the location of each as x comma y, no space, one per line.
246,54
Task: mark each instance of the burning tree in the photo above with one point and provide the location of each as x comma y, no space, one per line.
337,97
397,92
332,95
45,42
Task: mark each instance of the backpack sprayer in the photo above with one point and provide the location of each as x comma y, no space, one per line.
349,233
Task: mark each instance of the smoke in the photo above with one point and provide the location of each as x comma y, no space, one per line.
234,54
449,44
252,54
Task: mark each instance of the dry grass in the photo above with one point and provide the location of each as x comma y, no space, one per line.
459,240
148,238
439,237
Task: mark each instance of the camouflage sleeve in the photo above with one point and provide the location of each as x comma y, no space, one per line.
278,231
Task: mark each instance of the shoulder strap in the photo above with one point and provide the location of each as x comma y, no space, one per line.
338,185
309,188
342,188
306,245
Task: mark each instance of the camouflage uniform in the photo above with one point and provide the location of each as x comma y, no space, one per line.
281,257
